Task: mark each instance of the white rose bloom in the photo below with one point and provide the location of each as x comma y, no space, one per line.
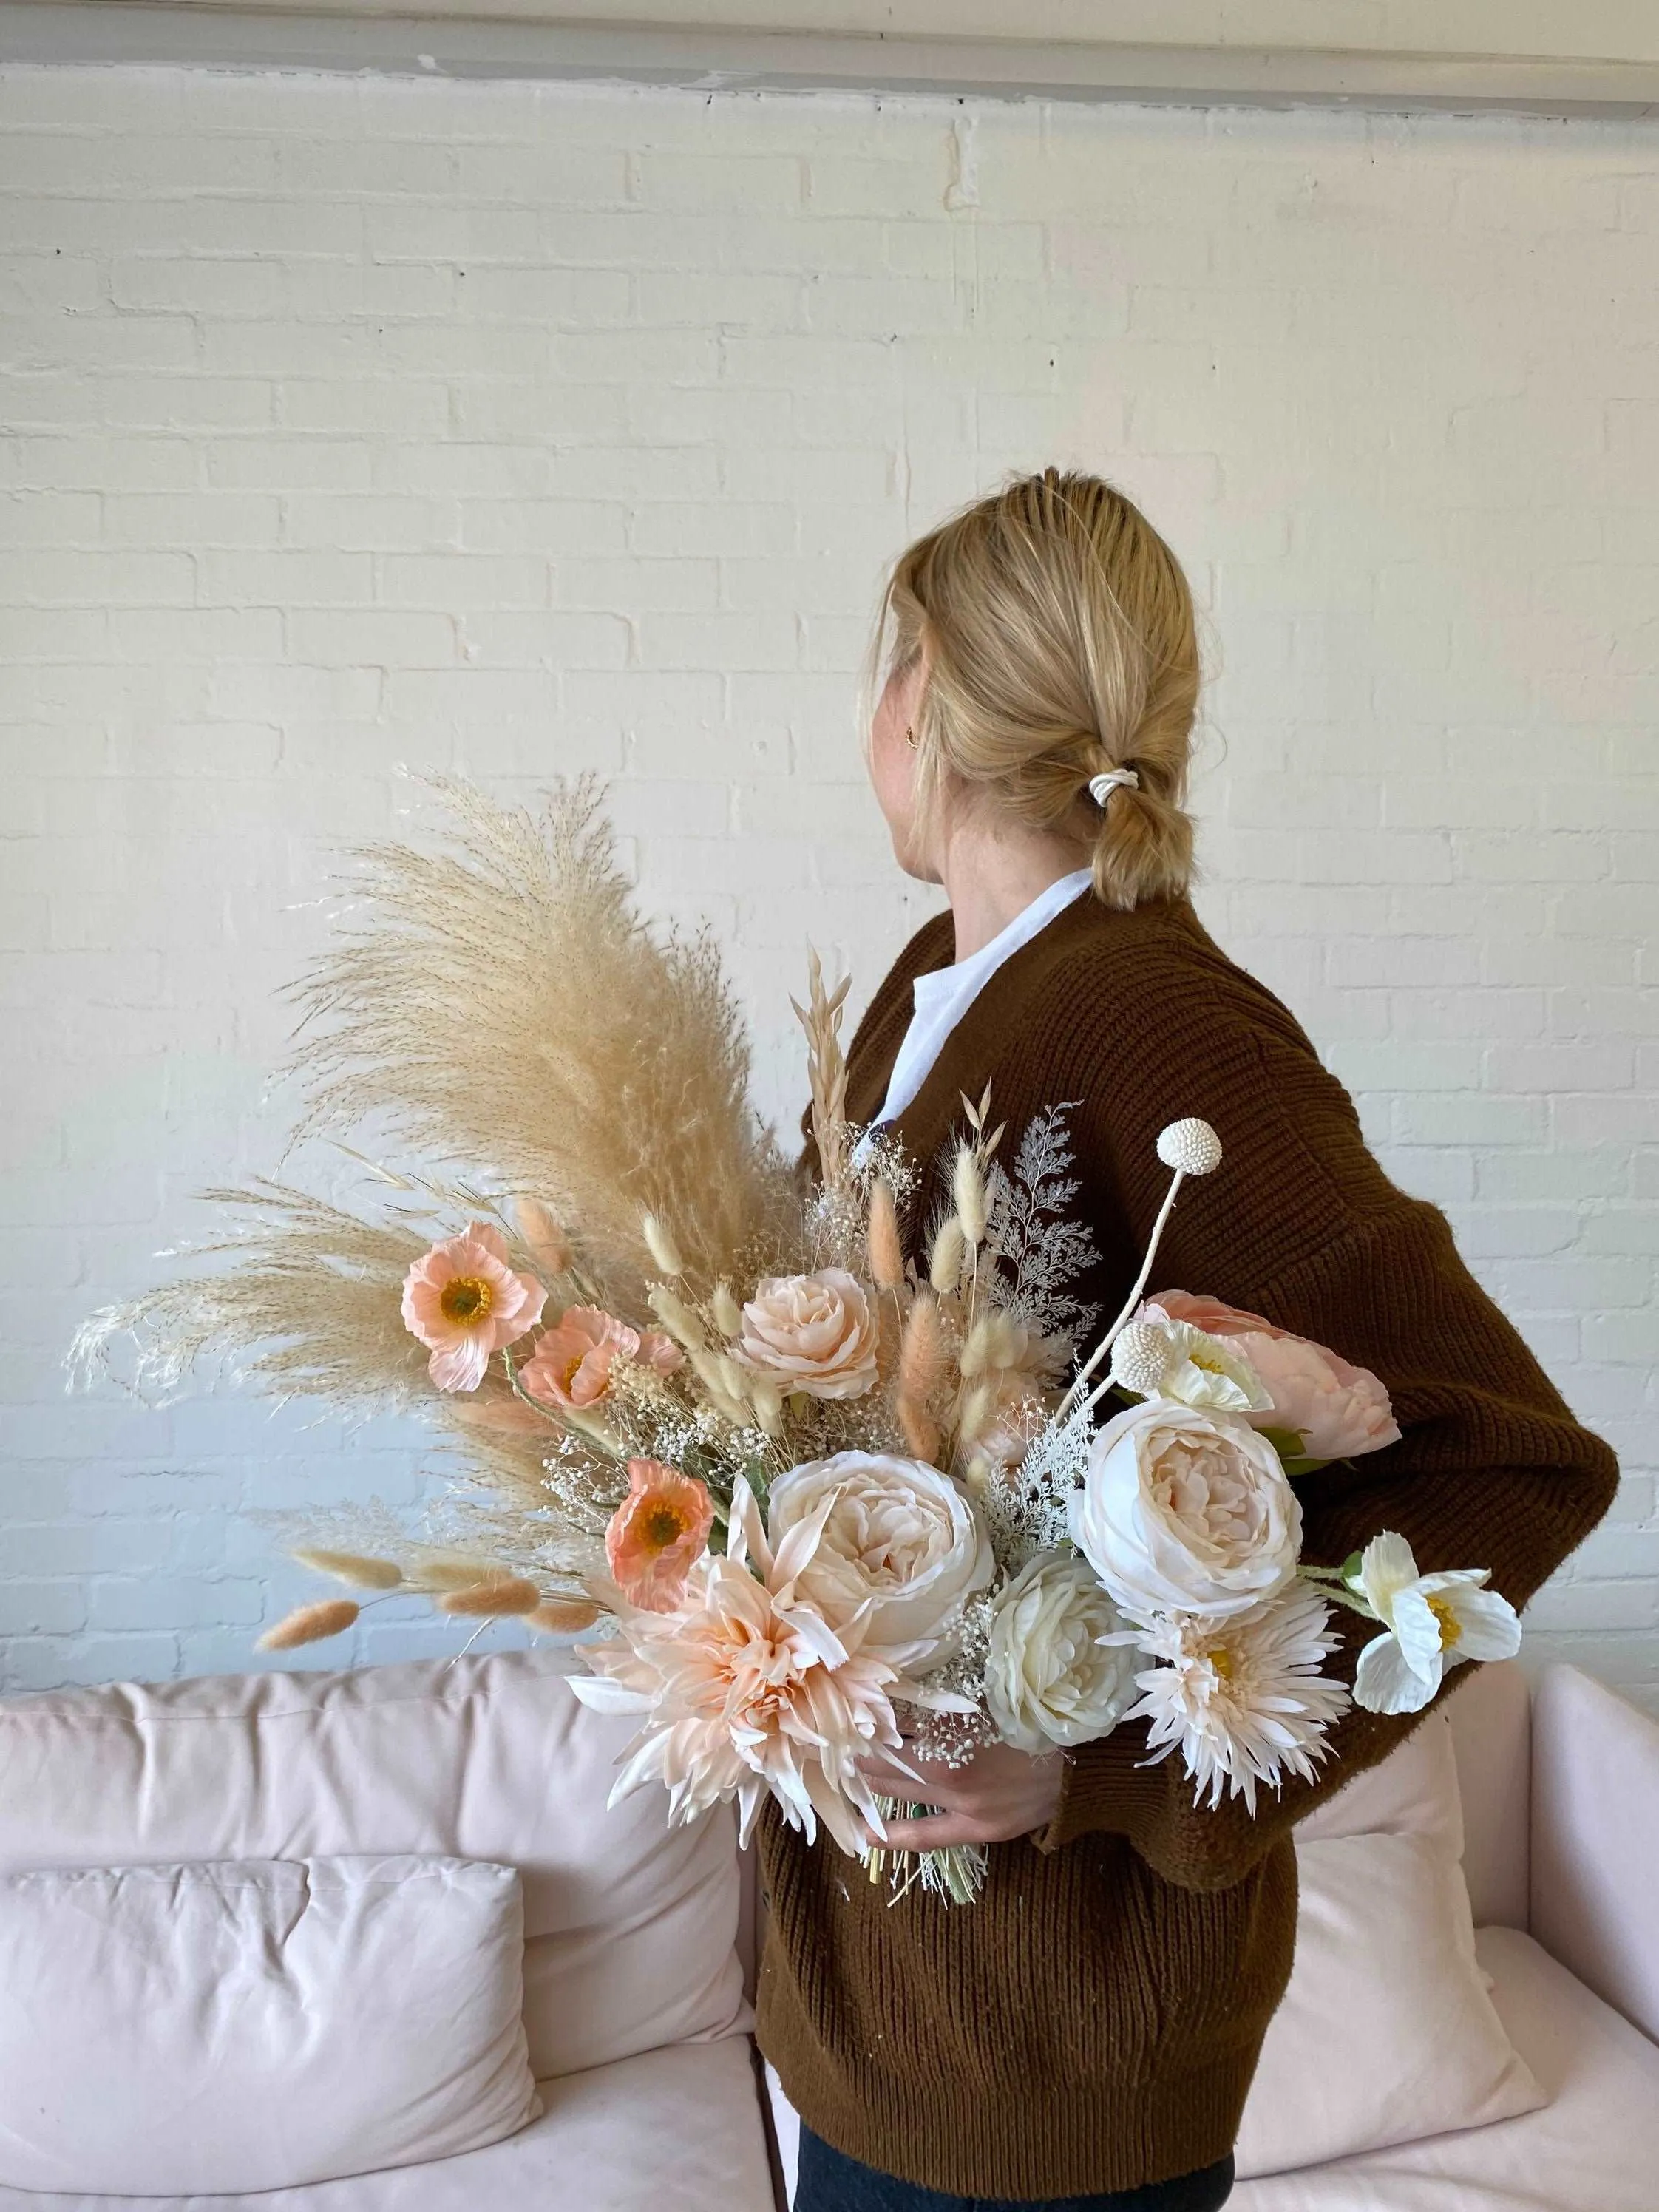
899,1535
810,1333
1184,1512
1049,1678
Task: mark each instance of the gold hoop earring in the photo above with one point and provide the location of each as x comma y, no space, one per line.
909,736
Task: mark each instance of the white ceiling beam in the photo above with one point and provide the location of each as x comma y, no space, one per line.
594,39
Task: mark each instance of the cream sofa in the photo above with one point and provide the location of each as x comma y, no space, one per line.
638,1941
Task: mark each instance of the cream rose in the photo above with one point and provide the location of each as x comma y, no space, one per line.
1184,1511
1049,1679
812,1333
897,1536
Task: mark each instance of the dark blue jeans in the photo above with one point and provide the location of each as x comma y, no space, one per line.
830,2182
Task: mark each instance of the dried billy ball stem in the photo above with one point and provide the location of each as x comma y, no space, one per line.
1140,1356
1191,1147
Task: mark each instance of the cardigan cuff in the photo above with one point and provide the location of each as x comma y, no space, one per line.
1099,1787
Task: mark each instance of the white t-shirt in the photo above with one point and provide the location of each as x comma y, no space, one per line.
943,996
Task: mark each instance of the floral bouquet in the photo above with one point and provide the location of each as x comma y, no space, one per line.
807,1501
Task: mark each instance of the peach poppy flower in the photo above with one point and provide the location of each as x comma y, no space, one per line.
464,1302
572,1362
656,1534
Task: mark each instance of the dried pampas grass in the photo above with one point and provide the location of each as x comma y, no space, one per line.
502,1002
308,1306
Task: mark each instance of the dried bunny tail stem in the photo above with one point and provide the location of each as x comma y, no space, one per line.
827,1068
310,1624
944,1261
923,1372
497,1597
543,1236
967,1189
563,1616
605,1065
724,1310
660,1243
882,1240
677,1318
354,1567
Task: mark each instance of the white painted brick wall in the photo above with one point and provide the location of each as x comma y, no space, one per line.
520,431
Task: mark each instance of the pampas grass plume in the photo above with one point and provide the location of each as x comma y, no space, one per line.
354,1567
506,1593
309,1624
886,1250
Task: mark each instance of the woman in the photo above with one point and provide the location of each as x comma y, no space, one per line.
1086,2033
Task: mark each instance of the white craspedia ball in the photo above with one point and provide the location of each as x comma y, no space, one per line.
1192,1146
1140,1356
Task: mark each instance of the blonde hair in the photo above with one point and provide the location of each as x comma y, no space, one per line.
1062,643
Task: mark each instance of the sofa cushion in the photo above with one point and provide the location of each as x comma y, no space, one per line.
628,1924
250,2024
1593,2146
1411,1792
678,2129
1386,2032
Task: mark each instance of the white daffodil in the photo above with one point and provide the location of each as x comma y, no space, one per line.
1432,1623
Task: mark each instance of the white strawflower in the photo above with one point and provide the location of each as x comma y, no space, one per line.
1242,1700
1433,1622
1191,1145
1048,1677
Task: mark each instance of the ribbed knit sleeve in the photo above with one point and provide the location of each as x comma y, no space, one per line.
1301,1223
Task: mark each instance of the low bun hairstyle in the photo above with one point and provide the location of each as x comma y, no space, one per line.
1062,643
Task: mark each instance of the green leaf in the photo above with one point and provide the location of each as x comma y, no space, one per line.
1287,1442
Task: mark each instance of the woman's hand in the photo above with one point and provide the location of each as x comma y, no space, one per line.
1002,1794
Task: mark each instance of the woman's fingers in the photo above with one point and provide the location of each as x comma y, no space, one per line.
936,1834
919,1782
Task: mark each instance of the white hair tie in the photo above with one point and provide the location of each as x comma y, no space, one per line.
1101,787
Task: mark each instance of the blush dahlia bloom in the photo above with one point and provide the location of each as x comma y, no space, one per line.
464,1302
1338,1410
572,1363
1242,1700
657,1534
746,1689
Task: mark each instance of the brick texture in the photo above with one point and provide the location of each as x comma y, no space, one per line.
517,431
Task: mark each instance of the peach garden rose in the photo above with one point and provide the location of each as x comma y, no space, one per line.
812,1333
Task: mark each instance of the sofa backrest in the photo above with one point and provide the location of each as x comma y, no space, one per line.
1490,1711
630,1925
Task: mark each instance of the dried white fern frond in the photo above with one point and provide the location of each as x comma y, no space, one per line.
499,1001
306,1305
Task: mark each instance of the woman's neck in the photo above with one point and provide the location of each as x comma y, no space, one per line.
990,876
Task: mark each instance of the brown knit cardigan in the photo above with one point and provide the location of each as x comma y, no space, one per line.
1092,2023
